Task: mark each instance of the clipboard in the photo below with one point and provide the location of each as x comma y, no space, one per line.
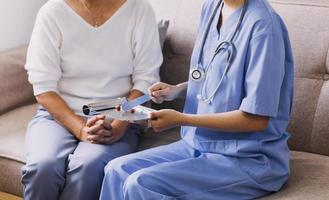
109,109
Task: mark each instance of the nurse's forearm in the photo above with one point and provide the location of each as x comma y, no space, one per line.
58,108
235,121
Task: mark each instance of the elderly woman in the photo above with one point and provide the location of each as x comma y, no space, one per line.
83,51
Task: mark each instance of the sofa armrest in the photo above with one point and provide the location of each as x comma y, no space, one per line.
15,90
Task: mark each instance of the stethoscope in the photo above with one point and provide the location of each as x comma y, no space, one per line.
200,74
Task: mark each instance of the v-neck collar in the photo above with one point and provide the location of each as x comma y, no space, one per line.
87,24
230,22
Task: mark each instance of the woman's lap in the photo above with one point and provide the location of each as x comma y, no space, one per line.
52,151
46,137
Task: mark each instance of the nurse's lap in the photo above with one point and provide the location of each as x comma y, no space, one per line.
178,170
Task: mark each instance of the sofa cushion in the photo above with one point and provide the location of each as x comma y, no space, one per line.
5,196
151,139
309,178
184,16
15,89
163,28
10,174
309,124
13,126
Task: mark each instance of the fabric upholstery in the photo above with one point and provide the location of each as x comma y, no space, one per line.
310,39
180,41
6,196
163,28
320,132
10,176
309,178
327,66
166,10
13,126
14,88
152,139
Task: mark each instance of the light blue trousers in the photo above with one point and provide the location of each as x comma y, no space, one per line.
177,171
61,167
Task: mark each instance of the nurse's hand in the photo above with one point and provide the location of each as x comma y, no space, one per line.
165,119
161,92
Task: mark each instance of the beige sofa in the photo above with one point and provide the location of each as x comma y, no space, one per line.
308,23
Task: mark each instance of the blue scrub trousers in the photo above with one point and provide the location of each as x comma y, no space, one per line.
61,167
177,171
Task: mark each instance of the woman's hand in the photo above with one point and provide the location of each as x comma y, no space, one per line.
165,119
96,128
100,130
165,92
119,129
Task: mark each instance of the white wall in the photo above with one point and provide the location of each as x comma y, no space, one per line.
16,21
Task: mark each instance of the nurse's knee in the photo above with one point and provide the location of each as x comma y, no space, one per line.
117,165
137,181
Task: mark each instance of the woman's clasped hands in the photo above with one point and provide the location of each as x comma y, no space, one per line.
99,130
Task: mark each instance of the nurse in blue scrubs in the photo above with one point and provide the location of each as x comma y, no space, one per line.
233,128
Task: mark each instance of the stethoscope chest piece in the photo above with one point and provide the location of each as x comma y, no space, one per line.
197,74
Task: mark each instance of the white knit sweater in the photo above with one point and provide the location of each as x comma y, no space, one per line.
84,64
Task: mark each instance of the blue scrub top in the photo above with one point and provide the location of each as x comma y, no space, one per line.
260,82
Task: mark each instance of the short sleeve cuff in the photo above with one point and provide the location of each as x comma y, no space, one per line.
41,88
142,86
252,107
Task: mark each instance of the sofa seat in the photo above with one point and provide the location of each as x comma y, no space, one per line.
309,178
309,172
5,196
13,125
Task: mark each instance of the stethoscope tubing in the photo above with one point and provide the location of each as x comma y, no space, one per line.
229,44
